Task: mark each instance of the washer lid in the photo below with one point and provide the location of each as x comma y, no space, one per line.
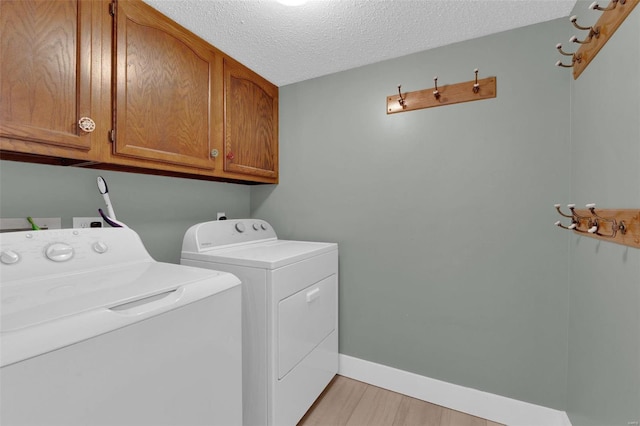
46,314
268,255
27,303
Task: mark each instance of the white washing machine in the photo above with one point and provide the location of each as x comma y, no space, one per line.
289,313
95,332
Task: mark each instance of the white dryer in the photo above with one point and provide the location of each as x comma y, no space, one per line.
289,313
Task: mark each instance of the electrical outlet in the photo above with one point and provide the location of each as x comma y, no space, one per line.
221,216
88,222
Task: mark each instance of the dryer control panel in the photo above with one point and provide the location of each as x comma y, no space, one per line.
210,235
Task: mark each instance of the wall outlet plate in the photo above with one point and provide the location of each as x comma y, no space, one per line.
22,224
88,222
220,215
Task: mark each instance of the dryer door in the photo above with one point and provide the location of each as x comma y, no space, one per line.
305,319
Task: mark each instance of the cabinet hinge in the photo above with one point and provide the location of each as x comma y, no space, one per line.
112,9
112,135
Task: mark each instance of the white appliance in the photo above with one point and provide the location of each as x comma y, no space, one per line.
95,332
289,313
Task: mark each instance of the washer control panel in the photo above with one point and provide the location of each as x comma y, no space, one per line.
31,254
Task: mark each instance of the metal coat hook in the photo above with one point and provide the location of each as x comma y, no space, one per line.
615,227
570,227
560,64
614,3
574,58
559,47
577,218
436,93
476,86
594,225
593,32
574,223
401,101
557,206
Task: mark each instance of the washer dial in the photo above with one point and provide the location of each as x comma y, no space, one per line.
59,252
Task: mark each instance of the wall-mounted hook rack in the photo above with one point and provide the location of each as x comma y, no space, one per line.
612,17
621,226
474,90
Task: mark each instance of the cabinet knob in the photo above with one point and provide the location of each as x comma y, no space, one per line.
86,124
214,153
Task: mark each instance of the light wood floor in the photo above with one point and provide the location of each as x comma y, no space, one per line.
352,403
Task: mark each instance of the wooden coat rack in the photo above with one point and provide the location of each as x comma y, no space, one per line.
612,17
474,90
620,226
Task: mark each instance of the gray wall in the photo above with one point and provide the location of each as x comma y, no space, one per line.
604,293
159,208
450,264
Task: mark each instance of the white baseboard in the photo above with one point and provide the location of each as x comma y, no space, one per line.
497,408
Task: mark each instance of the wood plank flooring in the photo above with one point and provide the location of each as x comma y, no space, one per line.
348,402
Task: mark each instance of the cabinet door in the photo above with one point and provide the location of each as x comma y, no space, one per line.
45,64
164,81
251,122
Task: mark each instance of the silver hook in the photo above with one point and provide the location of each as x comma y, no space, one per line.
401,101
476,86
436,93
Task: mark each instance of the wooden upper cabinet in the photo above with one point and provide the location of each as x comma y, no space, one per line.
46,75
167,89
251,123
154,96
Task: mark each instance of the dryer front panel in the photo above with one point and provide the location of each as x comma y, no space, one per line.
305,319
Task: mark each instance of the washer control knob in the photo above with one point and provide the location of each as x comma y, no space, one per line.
100,247
9,257
240,227
264,227
59,252
256,227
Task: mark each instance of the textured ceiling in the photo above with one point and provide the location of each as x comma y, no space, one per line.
290,44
